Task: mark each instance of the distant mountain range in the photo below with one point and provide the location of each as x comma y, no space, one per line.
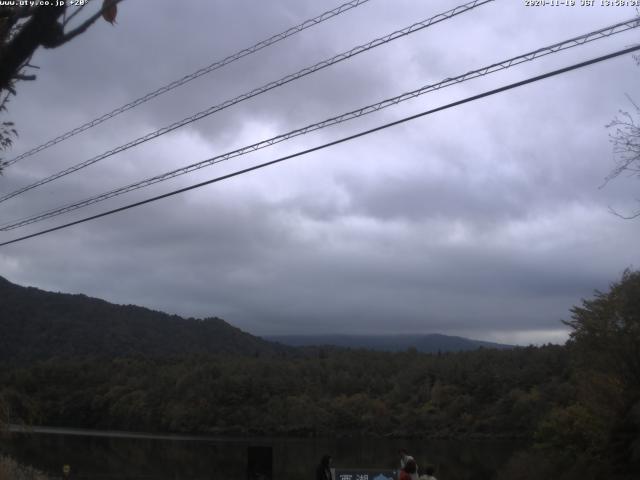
37,325
431,343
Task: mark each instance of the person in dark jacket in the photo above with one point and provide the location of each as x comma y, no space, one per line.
323,472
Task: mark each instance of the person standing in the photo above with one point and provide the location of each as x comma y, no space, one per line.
410,471
429,471
323,471
404,457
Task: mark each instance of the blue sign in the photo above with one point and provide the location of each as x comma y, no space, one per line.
364,474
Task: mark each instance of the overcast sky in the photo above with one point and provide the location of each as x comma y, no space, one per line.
485,221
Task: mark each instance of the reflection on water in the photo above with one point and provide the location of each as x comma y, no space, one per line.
99,458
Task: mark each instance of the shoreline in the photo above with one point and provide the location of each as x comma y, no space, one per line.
185,437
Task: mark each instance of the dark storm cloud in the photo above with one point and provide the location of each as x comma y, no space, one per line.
484,220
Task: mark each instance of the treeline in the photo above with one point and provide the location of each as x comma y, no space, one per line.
12,470
482,393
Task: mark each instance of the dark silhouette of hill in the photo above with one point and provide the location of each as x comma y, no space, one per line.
431,343
35,325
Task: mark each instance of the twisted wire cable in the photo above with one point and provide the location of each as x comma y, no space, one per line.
457,103
192,76
257,91
502,65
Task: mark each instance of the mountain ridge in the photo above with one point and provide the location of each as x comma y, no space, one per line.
425,343
36,325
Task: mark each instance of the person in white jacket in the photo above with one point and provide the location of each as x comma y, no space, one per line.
429,471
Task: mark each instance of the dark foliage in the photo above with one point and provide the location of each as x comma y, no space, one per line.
482,393
24,28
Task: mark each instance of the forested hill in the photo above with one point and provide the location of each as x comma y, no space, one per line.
35,324
431,343
579,404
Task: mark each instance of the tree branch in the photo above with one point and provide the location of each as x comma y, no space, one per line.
17,12
4,101
86,24
20,76
24,12
626,143
625,217
41,28
70,17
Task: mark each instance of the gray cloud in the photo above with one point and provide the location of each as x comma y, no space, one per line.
484,220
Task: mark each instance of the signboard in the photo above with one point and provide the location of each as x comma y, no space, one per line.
364,474
259,463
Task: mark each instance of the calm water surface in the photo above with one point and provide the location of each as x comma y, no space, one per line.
97,457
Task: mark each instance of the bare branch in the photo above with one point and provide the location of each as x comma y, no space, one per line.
20,76
77,11
626,142
4,101
86,24
631,101
625,217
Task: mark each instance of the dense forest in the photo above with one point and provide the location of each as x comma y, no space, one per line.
578,405
476,393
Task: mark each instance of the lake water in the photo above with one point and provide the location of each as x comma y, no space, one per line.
102,457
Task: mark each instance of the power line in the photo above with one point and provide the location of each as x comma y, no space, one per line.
566,44
335,142
192,76
265,88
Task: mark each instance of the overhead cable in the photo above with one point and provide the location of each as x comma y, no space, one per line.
265,88
192,76
335,142
495,67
